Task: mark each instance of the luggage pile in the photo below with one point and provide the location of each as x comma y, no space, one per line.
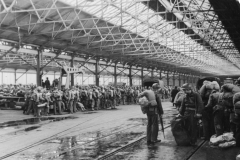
179,131
207,88
223,141
231,97
143,102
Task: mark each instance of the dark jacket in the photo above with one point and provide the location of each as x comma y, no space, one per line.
194,101
213,100
159,107
174,93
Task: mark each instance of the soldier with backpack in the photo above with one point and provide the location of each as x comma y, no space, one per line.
191,108
153,110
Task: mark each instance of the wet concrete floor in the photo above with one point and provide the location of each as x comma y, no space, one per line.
101,133
31,121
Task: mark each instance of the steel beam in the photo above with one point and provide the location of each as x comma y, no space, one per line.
72,74
38,69
16,79
97,75
115,74
167,78
130,76
142,76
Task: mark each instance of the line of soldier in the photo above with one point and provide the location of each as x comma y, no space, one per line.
77,98
38,99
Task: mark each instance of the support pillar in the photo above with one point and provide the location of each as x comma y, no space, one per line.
115,74
152,75
15,76
193,80
72,74
130,76
142,75
167,79
97,76
184,79
179,80
160,75
173,78
60,80
38,68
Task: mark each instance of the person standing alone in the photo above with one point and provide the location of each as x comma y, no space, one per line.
153,110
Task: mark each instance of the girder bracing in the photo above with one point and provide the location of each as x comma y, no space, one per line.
173,35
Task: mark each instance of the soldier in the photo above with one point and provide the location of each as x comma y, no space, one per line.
38,100
91,101
112,97
96,98
153,110
216,111
76,99
103,98
118,97
28,102
191,108
123,95
57,101
71,99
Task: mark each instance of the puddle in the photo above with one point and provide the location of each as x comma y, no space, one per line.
31,121
94,145
31,128
89,112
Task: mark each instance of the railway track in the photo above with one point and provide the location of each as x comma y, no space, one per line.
130,144
194,151
60,135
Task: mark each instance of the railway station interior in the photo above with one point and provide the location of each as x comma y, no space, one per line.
120,79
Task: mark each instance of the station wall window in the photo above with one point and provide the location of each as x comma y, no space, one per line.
31,78
8,78
22,79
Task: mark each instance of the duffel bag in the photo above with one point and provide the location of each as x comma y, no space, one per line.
237,107
231,88
179,132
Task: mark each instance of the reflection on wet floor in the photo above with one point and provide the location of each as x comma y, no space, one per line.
93,146
89,112
31,121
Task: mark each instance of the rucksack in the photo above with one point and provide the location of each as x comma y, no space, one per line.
179,131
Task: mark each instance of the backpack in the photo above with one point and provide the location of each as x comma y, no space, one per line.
179,131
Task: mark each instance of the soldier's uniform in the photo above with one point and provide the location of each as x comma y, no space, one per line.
112,98
29,102
123,96
96,98
191,108
84,98
76,99
38,100
71,100
118,97
153,110
57,101
91,100
209,114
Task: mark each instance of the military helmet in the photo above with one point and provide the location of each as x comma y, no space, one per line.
155,86
186,86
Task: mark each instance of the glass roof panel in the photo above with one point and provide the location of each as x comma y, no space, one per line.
137,18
